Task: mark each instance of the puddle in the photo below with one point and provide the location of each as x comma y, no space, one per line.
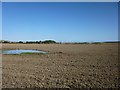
22,52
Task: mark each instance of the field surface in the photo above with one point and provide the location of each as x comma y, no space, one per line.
65,66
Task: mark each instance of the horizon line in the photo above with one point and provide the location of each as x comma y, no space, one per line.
62,41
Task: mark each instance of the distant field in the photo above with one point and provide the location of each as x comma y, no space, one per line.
65,66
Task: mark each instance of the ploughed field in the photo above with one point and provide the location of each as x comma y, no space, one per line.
64,66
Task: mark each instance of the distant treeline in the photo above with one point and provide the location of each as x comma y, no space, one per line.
30,42
54,42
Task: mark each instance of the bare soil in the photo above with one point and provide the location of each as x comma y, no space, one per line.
65,66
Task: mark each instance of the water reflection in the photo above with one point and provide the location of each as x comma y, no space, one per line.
21,51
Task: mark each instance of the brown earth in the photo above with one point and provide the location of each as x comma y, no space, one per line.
65,66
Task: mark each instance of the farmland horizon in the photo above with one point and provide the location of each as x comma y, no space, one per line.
40,41
59,45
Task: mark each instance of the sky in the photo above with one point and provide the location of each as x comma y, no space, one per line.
0,20
60,21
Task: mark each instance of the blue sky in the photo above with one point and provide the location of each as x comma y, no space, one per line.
0,20
63,22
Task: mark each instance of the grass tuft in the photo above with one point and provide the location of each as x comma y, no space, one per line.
32,53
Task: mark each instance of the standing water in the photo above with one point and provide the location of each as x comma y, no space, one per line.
21,51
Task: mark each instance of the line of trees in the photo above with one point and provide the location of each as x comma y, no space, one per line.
53,42
31,42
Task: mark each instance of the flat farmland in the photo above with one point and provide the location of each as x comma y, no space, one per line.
64,66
